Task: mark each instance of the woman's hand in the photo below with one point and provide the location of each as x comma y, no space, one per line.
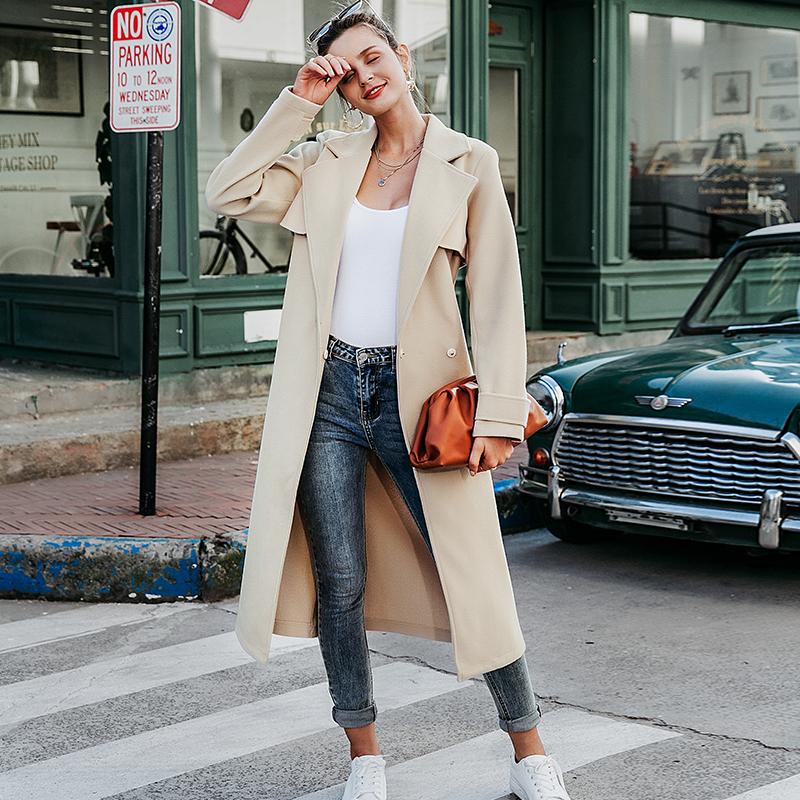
318,78
489,452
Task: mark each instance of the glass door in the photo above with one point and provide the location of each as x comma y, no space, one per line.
513,129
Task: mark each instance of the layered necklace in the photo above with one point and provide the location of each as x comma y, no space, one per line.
394,167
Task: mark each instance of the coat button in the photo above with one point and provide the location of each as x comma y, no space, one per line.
401,352
451,352
325,353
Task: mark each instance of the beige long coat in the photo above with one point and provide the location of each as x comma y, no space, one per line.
457,214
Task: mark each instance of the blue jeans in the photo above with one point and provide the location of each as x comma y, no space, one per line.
357,411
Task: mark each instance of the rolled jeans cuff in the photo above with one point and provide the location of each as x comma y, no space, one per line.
526,723
354,718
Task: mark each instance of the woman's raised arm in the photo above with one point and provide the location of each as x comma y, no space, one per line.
258,180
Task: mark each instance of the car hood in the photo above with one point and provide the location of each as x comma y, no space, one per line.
745,380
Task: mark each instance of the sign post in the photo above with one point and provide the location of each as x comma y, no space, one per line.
145,96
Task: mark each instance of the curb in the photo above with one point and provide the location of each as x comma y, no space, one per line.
120,569
131,569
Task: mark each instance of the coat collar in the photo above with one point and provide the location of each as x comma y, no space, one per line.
438,191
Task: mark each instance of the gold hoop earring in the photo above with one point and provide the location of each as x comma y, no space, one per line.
410,82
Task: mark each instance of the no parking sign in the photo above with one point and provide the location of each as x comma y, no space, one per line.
145,67
145,96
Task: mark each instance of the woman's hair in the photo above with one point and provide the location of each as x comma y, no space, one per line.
380,27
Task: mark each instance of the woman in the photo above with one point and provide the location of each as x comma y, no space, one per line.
360,412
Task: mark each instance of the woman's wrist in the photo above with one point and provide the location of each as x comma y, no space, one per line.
302,97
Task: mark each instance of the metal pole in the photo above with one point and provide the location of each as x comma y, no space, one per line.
150,320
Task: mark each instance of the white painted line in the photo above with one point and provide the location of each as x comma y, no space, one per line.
116,677
136,761
478,768
102,680
96,617
788,789
286,644
576,737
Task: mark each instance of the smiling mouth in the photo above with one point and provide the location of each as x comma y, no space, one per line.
374,92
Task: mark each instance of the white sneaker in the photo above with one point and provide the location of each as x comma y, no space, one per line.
367,779
537,778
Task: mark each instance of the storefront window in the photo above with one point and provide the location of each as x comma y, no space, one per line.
55,157
241,68
504,125
714,133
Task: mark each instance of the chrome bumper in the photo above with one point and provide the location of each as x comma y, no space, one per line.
768,521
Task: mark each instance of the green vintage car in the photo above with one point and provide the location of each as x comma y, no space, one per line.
697,437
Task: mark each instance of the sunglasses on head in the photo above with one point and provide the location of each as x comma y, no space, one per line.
345,12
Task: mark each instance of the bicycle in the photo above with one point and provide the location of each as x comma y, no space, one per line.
220,250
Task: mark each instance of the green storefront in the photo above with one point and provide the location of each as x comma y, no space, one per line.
637,138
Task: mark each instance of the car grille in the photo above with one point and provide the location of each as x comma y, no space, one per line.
676,462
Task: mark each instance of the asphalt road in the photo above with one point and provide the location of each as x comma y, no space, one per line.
666,671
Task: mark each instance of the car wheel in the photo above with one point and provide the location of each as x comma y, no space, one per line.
578,532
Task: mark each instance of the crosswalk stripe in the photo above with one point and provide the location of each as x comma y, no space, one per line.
116,677
576,737
95,618
135,761
287,644
477,769
788,789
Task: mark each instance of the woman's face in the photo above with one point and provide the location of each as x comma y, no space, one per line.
370,55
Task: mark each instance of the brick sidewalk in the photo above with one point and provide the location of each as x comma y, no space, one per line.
198,497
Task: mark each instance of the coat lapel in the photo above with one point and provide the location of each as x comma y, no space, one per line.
438,191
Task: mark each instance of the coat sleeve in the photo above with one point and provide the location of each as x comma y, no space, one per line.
258,180
496,310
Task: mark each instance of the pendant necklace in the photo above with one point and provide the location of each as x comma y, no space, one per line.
393,167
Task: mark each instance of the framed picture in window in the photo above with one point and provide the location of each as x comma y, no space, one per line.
680,158
779,69
730,92
40,72
778,113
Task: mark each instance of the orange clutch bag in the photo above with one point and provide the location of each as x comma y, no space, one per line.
443,438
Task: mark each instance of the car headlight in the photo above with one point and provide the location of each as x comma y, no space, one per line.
550,396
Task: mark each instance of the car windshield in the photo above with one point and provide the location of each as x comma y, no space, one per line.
760,287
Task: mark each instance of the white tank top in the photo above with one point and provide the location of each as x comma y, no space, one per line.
365,300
